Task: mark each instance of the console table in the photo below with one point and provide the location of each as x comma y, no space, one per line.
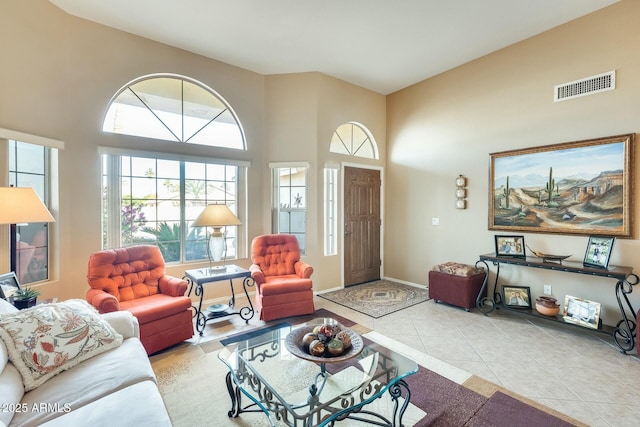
198,277
623,332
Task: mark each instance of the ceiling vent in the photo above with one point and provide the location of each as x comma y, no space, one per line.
587,86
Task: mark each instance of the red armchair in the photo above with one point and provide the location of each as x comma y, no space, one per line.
134,279
283,282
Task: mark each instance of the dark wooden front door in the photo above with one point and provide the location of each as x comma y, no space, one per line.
361,225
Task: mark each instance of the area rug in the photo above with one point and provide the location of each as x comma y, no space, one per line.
192,382
378,298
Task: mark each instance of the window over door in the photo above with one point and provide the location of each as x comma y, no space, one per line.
354,139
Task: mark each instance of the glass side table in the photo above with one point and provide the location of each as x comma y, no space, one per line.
198,277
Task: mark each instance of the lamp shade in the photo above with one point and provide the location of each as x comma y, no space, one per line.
216,216
21,205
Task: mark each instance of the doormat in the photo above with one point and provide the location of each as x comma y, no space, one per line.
378,298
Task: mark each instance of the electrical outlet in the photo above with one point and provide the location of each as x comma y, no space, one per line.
435,221
547,289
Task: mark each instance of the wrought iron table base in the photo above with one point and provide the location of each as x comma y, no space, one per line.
202,316
624,333
270,405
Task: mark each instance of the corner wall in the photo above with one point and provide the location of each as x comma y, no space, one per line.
448,125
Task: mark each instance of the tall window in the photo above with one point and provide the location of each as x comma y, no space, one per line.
354,139
174,108
154,200
330,210
290,202
29,166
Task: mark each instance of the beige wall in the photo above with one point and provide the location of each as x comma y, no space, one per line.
448,125
303,110
58,74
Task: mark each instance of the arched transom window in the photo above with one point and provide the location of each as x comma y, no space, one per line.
174,108
353,139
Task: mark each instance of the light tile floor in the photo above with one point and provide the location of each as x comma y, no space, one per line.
576,372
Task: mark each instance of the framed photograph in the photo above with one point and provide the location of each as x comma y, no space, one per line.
598,252
8,285
516,296
582,188
510,246
581,312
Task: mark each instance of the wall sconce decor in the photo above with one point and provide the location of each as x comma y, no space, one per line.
461,192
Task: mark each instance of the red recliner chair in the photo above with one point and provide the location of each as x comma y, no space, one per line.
134,279
283,282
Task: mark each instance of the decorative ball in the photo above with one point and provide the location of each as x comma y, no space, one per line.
336,347
317,348
308,338
345,338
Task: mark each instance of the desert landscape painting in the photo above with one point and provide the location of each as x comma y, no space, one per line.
572,188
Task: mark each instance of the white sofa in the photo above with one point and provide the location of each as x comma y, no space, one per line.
117,387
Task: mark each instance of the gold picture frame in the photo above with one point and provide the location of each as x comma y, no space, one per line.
581,312
583,187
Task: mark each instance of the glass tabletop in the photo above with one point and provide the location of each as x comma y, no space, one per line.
291,388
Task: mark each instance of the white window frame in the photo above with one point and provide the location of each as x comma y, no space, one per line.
113,180
278,206
331,209
51,196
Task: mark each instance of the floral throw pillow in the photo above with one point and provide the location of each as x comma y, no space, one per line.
47,339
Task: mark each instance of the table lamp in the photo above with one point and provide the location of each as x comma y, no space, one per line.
216,216
21,205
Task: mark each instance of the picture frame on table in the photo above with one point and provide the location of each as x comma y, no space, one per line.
598,252
510,246
9,285
516,296
582,312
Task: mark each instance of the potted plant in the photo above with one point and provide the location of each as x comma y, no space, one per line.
25,297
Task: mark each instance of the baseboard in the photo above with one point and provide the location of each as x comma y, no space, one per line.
404,282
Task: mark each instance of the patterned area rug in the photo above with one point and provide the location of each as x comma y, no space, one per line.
379,298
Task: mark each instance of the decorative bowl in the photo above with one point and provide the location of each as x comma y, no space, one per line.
293,343
547,307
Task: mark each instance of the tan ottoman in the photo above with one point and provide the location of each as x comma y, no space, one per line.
456,284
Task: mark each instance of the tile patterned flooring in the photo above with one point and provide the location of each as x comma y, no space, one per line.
573,371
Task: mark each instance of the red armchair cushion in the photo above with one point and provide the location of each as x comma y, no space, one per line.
156,307
275,254
127,273
285,285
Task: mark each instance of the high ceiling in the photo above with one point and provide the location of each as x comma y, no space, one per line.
382,45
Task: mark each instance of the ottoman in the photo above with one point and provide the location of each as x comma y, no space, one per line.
456,284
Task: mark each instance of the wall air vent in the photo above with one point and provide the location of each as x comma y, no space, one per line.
587,86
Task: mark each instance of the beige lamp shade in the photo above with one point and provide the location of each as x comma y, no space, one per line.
216,216
22,205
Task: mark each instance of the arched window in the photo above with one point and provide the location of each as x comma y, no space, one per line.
354,139
174,108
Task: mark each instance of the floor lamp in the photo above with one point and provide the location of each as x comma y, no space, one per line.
21,205
216,216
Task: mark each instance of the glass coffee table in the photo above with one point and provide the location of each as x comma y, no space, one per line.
294,388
